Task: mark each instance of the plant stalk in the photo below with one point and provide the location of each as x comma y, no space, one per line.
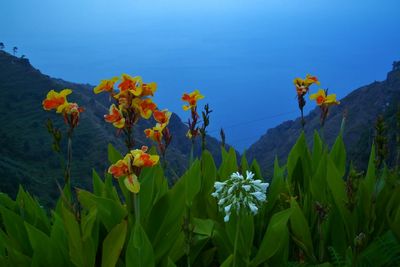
236,240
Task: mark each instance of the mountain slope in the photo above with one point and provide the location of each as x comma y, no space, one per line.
361,107
25,145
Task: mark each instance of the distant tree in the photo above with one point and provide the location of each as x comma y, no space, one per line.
2,46
15,50
23,57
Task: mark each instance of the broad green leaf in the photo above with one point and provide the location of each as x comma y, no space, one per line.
44,254
301,230
139,251
244,165
110,212
192,182
228,165
113,244
33,213
274,238
98,185
73,230
16,231
337,188
318,148
338,155
228,262
113,154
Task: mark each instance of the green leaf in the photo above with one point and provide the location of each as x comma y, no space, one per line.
336,186
338,155
113,244
227,262
192,182
228,165
244,165
16,231
301,230
318,148
98,185
44,254
277,232
153,185
113,154
74,238
110,212
139,251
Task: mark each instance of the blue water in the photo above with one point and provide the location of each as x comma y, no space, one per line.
242,55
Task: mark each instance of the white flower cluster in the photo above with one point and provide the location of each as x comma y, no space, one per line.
240,193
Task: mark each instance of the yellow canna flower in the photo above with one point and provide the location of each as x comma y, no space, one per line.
322,99
73,108
121,168
142,159
162,116
155,133
145,106
148,89
132,183
106,85
302,86
131,84
115,117
56,100
191,99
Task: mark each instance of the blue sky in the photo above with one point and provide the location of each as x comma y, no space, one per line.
242,55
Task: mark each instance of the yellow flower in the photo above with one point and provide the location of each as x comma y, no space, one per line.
115,117
73,108
56,100
142,159
155,133
162,116
121,168
322,99
145,106
131,84
106,85
132,183
191,99
148,89
302,86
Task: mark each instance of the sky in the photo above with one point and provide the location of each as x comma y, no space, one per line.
241,54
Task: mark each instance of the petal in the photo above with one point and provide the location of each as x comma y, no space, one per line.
132,184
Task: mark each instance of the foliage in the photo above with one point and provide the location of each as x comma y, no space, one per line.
307,221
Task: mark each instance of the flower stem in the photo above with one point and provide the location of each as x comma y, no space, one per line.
67,176
188,235
236,240
136,207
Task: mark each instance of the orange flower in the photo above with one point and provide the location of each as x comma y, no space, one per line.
115,117
121,168
192,99
322,99
155,134
148,89
106,85
302,86
131,84
162,116
142,159
56,100
145,106
73,108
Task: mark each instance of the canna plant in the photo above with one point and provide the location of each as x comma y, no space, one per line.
316,211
